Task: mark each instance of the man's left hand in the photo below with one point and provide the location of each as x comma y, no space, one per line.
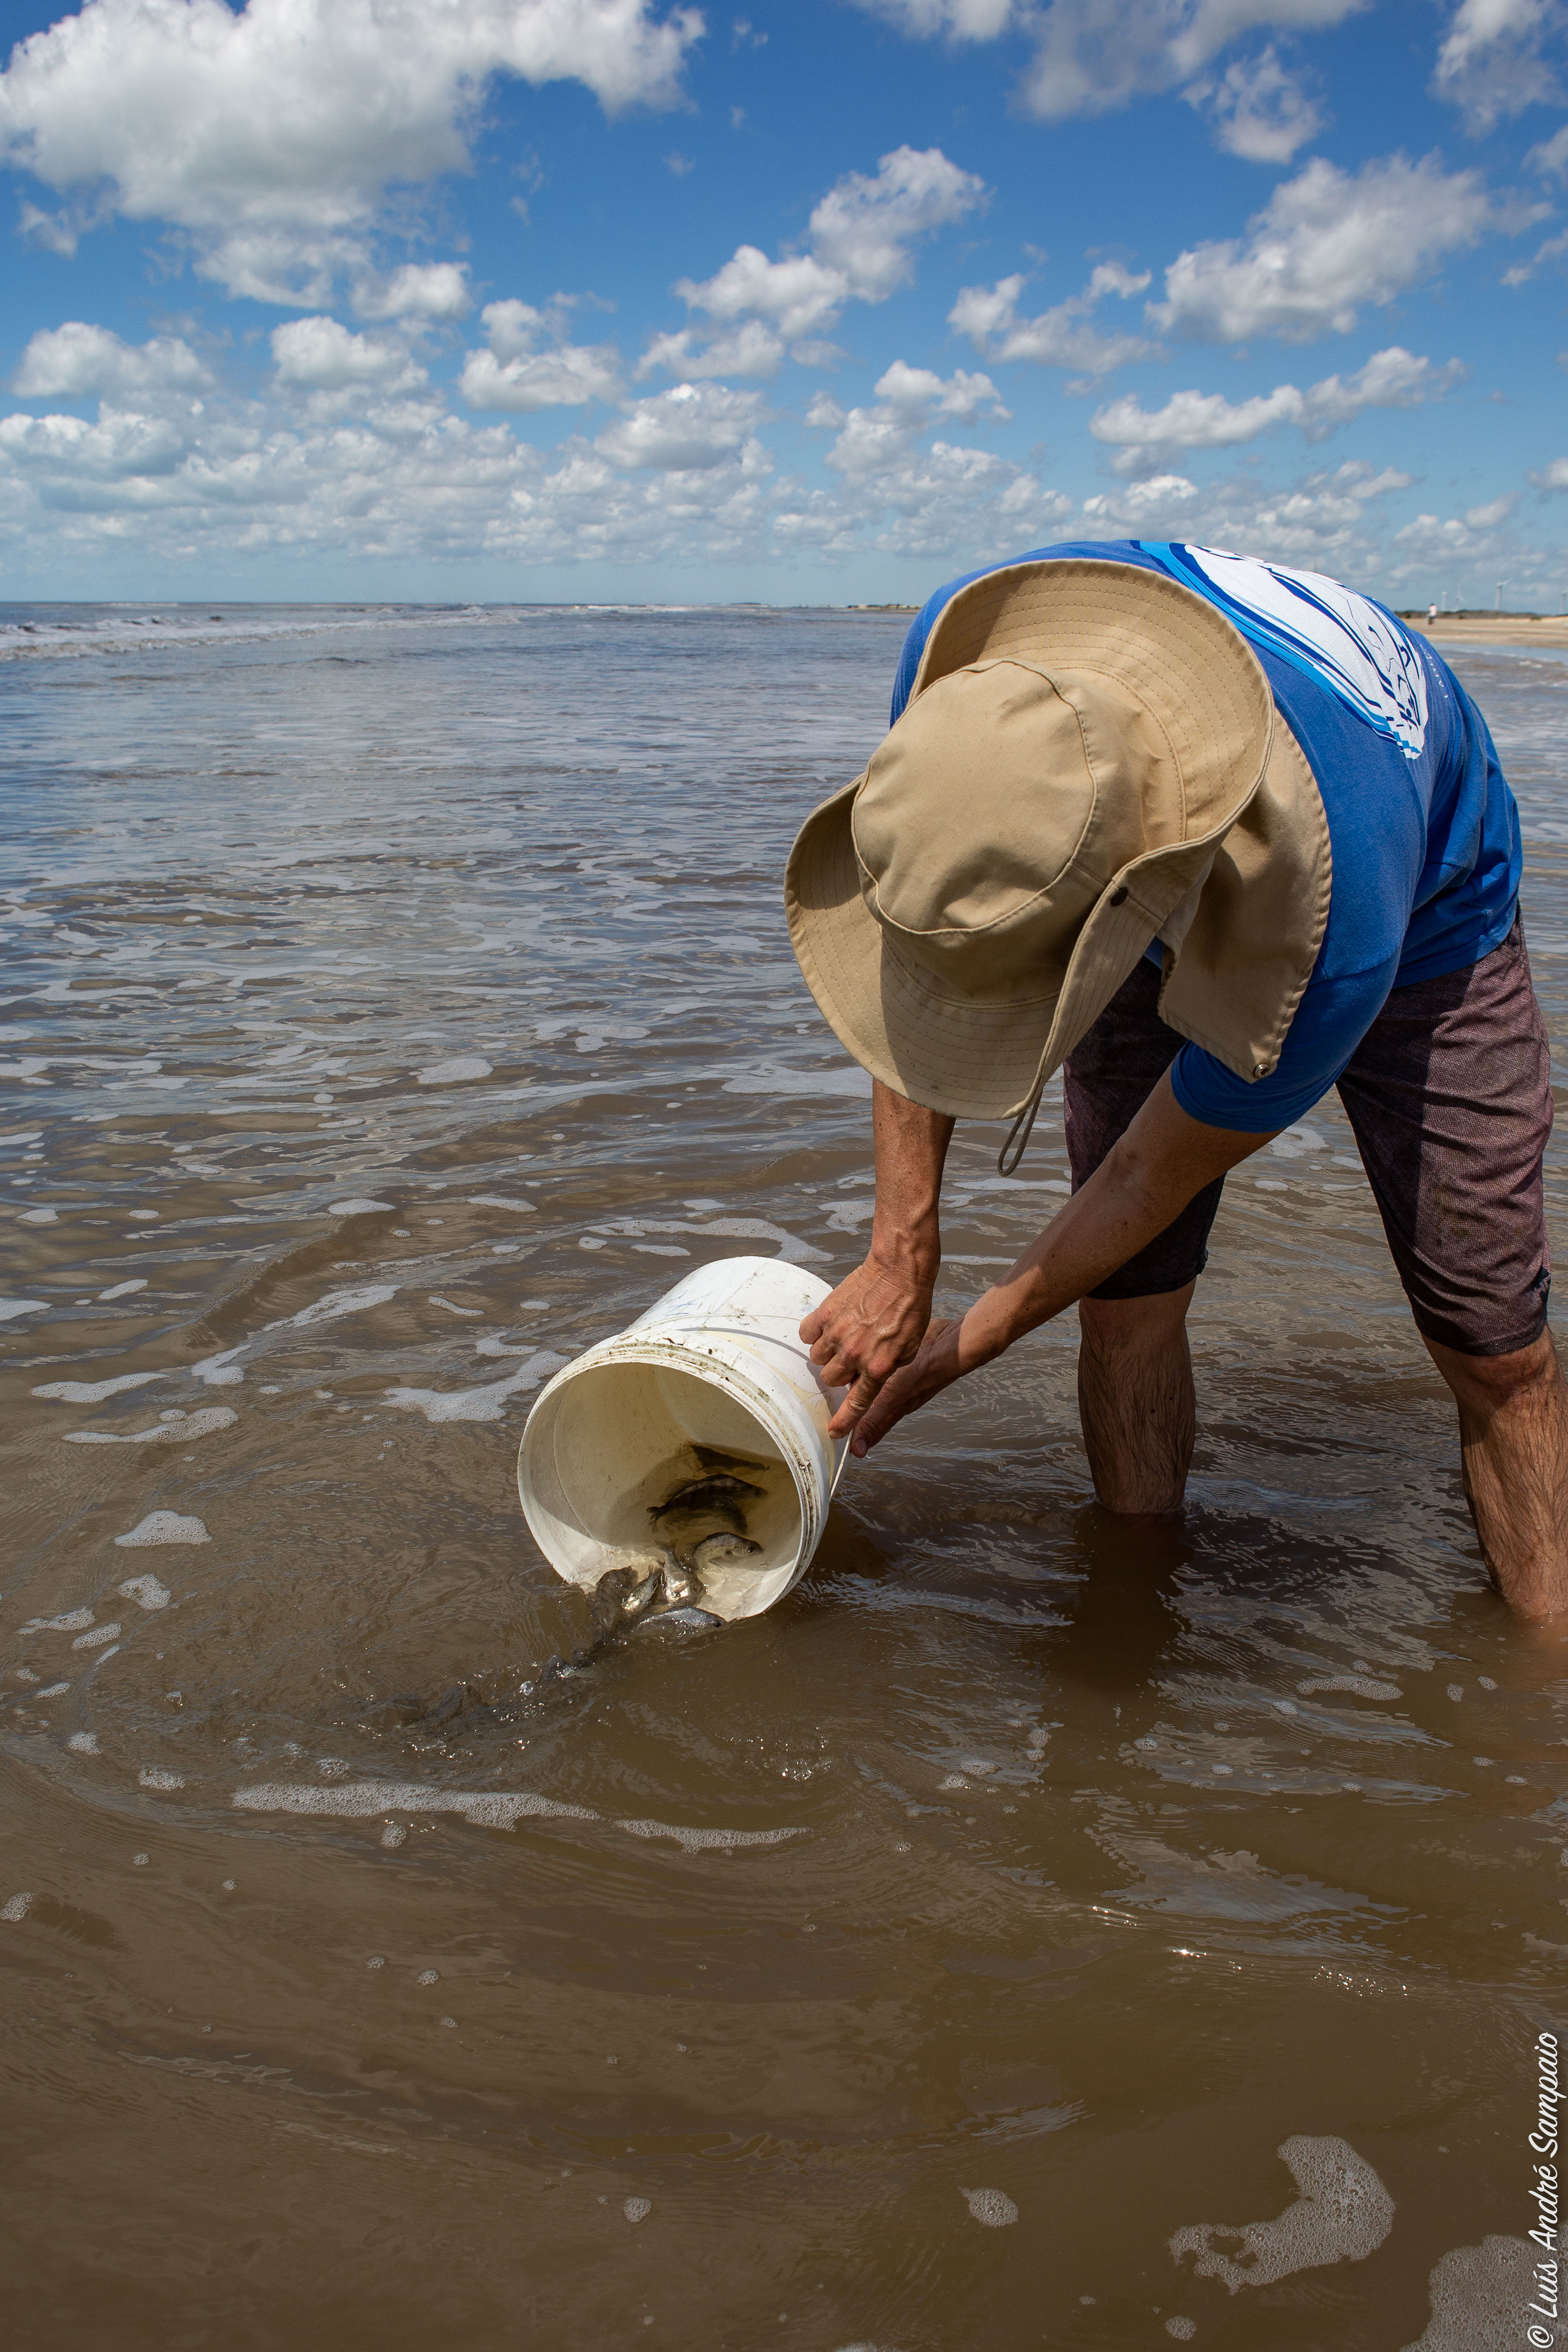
864,1331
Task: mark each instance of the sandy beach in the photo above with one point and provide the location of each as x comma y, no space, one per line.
1548,629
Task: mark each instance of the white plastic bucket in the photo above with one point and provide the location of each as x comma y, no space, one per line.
715,1367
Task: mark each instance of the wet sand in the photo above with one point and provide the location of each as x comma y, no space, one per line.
943,1959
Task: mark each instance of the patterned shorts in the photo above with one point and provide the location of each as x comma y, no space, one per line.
1449,1097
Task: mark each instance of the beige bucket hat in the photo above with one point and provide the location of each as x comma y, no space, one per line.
1091,758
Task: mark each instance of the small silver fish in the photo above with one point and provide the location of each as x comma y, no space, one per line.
723,1550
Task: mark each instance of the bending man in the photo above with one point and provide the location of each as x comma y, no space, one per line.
1211,837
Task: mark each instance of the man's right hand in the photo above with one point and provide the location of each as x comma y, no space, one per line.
865,1330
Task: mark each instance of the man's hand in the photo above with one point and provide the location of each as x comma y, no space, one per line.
861,1334
874,1322
937,1362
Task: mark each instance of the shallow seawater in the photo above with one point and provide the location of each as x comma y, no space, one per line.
1036,1929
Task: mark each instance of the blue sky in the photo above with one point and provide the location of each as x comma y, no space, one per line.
822,302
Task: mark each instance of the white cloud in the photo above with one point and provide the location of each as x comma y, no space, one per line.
690,428
860,239
959,20
1551,478
907,402
749,348
1094,55
420,290
1324,244
270,136
516,373
1060,336
1551,249
1320,522
77,361
1551,155
1147,441
1259,109
1090,56
1491,62
320,355
1453,541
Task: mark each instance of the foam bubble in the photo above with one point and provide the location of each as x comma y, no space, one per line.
39,1217
123,1289
158,1527
357,1208
454,1072
97,1637
10,1308
393,1835
169,1433
57,1690
484,1403
497,1200
637,2209
428,1977
358,1800
83,1743
337,1303
707,1841
94,1392
1343,2214
1183,2330
1359,1686
1479,2296
16,1906
152,1777
71,1621
219,1372
990,2207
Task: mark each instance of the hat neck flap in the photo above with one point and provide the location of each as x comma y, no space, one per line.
1239,953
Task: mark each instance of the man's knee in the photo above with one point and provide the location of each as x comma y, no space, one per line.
1132,1327
1489,1384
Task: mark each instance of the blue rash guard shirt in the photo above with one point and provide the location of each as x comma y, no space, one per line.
1423,829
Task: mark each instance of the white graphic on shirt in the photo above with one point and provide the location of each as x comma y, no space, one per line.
1359,653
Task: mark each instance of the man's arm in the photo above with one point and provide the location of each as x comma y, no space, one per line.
1148,1178
876,1319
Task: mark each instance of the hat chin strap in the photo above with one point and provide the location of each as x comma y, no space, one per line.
1022,1127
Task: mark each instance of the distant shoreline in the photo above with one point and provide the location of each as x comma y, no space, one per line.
1492,629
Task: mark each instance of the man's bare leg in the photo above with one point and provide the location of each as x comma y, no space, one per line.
1135,1399
1513,1445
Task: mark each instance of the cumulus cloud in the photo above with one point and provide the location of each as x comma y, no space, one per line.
1146,441
1092,55
1454,541
1095,55
1061,337
1320,522
76,362
420,290
529,364
689,428
1551,478
320,355
1491,62
269,136
908,401
1551,155
1327,242
751,349
959,20
1259,109
859,241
